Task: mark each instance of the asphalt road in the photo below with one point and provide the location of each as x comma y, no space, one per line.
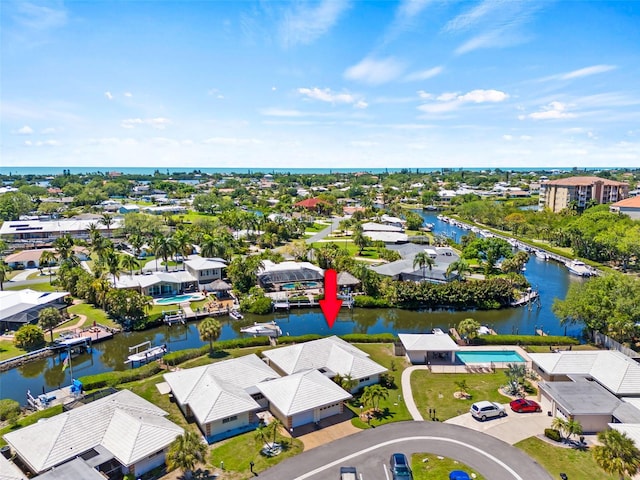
369,451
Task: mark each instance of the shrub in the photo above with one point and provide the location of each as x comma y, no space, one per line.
372,338
112,379
553,434
365,301
299,339
8,409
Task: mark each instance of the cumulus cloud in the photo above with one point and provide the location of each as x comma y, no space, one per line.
159,122
109,95
375,71
327,95
423,74
305,23
552,111
448,101
25,130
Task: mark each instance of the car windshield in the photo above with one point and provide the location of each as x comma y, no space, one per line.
402,470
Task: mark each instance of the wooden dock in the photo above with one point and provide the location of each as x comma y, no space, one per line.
527,299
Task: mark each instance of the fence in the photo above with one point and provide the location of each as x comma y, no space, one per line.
609,343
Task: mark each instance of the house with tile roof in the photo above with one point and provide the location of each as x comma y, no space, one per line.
331,356
121,433
421,348
222,397
303,397
629,206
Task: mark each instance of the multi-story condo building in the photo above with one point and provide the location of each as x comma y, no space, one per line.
579,191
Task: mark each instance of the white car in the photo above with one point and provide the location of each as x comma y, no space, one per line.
485,409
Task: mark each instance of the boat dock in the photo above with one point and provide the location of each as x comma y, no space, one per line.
148,354
527,299
347,302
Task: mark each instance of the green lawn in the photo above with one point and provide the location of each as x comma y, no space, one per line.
575,463
92,313
350,247
38,287
435,390
9,350
427,466
392,409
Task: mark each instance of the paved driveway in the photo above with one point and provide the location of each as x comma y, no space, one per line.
512,428
369,452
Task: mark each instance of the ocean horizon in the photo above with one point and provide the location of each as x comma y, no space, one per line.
51,170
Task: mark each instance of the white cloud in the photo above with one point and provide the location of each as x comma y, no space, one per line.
44,143
303,23
25,130
508,138
552,111
363,143
326,95
585,72
48,131
231,141
425,95
448,101
109,95
159,122
405,16
214,92
375,72
38,17
128,94
424,74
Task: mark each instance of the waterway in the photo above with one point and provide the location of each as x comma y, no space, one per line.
550,279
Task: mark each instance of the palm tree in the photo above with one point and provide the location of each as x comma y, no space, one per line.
373,394
460,267
112,261
211,247
186,452
4,270
129,262
107,220
47,258
347,382
560,424
165,247
468,328
64,247
49,318
422,260
272,428
210,330
618,454
182,242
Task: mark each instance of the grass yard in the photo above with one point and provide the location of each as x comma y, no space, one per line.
38,287
435,390
351,248
237,452
9,350
427,466
391,409
545,348
93,313
574,463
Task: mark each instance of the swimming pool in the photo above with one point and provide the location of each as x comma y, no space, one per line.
300,285
488,356
179,299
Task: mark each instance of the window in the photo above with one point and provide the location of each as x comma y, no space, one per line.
364,379
230,419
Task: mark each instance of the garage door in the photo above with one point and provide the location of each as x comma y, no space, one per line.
330,411
302,418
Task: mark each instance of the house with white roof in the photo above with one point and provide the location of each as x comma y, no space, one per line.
157,284
303,397
20,307
9,470
387,233
46,231
331,356
205,270
223,397
422,348
121,433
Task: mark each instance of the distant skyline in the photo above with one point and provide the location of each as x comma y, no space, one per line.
320,84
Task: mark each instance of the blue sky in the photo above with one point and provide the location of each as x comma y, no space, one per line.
322,84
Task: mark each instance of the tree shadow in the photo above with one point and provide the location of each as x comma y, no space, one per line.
383,414
218,354
199,474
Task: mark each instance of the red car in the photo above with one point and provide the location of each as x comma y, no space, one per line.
522,405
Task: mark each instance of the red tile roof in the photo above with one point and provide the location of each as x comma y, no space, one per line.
571,181
632,202
310,203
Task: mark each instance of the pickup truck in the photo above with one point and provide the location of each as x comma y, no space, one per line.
348,473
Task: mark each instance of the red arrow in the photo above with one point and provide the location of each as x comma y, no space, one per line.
330,305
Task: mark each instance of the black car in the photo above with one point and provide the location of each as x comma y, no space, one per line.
399,466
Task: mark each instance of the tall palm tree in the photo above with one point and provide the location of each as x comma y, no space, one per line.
423,260
618,454
112,261
64,248
210,330
459,267
47,258
129,262
373,394
212,246
107,220
182,241
272,428
164,247
49,318
4,270
186,452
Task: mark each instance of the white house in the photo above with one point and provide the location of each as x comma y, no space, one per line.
422,348
118,433
205,270
303,398
156,284
330,356
20,307
222,397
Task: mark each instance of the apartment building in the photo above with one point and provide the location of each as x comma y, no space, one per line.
579,191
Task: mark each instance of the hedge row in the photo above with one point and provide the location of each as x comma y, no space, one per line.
372,338
524,340
112,379
365,301
553,434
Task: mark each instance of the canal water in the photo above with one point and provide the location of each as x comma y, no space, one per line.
550,279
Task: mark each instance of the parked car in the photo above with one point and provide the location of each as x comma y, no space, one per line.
485,409
400,469
522,405
348,473
459,475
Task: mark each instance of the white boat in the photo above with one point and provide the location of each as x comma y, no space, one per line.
147,354
236,315
542,255
270,329
579,268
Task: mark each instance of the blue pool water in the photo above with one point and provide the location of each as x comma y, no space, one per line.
177,299
488,356
302,285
